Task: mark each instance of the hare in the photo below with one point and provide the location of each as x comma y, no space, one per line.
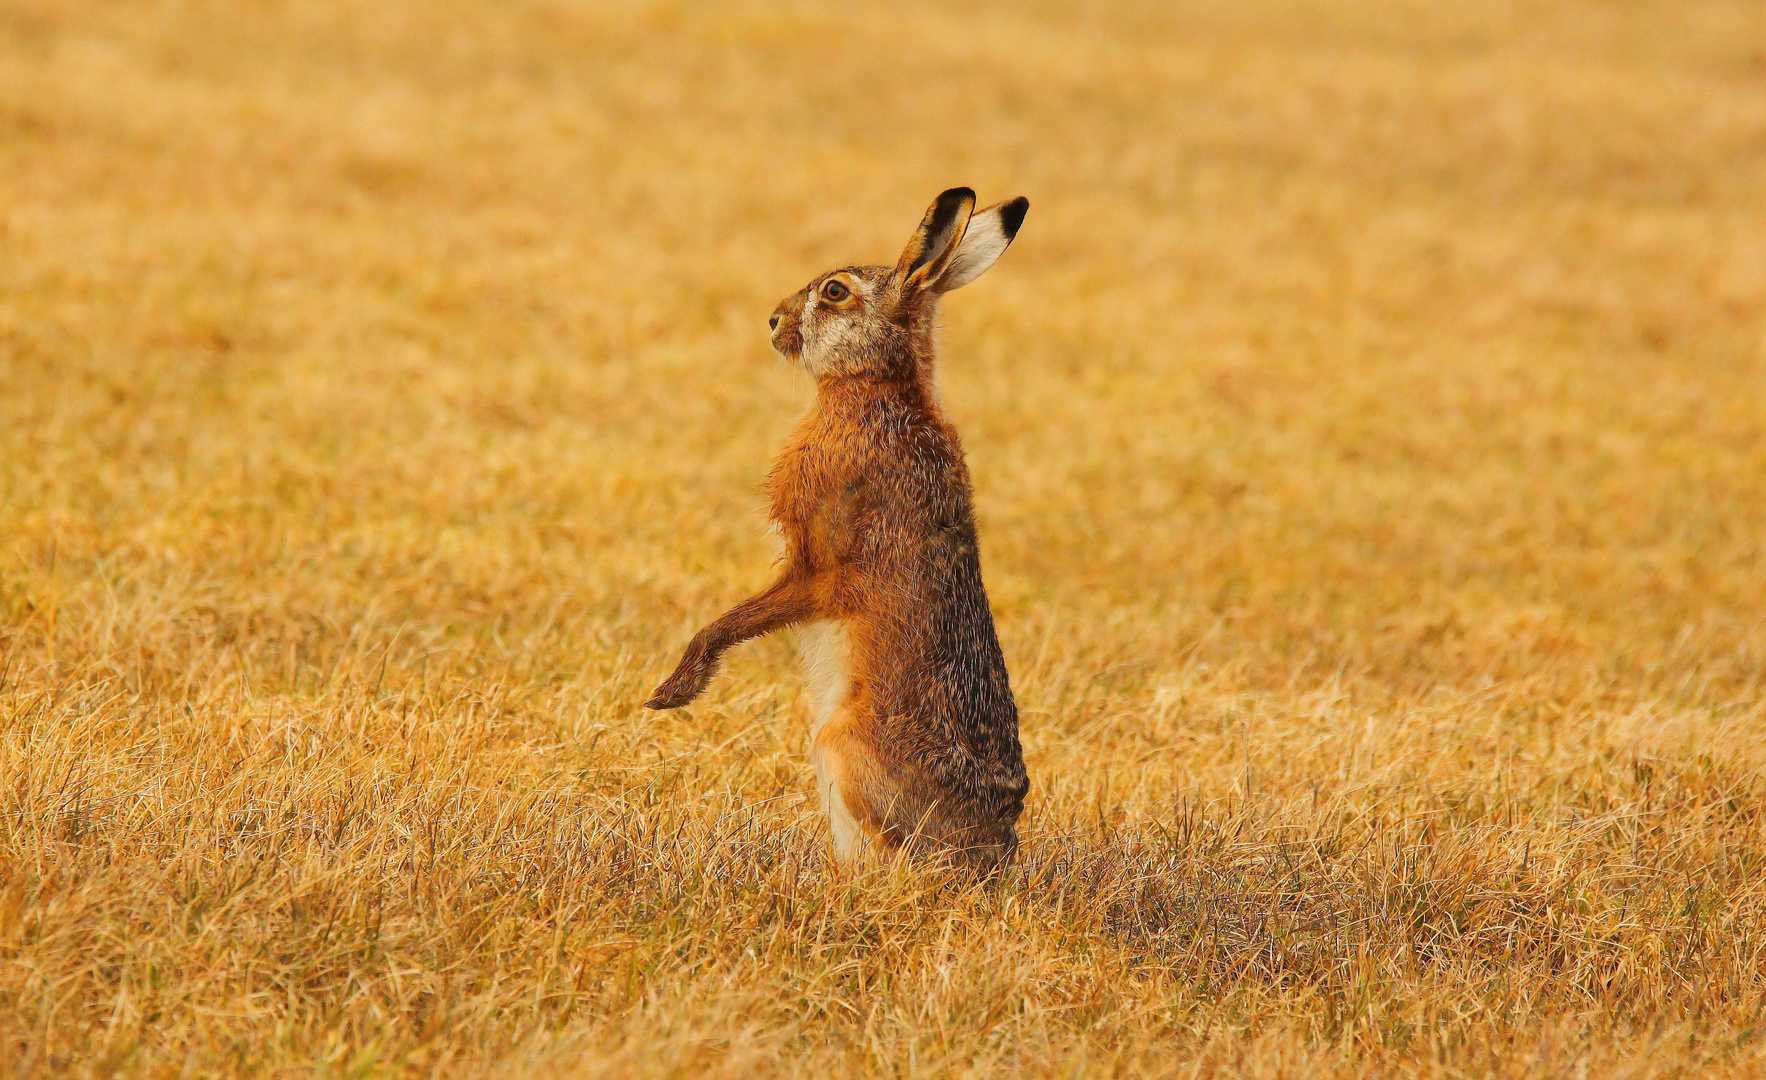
914,734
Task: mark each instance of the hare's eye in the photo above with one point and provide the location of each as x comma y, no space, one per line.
835,292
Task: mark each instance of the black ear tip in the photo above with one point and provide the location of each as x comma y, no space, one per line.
956,194
1012,215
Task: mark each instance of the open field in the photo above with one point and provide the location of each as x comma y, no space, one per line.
1369,430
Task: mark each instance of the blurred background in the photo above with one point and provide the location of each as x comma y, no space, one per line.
1384,332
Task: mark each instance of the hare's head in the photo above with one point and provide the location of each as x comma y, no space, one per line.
877,320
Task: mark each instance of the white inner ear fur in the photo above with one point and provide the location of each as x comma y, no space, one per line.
938,241
982,245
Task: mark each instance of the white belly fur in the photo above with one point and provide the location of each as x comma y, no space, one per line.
827,668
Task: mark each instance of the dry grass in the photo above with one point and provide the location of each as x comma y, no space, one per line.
1371,444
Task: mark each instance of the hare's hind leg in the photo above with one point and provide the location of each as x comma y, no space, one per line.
850,841
847,775
846,769
827,670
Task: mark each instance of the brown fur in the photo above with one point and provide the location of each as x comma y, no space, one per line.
873,498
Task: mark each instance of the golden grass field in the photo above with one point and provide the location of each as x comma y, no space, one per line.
1369,431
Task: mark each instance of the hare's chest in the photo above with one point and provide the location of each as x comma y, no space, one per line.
797,484
821,514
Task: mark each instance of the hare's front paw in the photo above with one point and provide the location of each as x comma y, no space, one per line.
680,688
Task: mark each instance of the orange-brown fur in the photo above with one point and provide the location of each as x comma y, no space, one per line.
873,498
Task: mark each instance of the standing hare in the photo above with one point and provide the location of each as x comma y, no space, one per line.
914,733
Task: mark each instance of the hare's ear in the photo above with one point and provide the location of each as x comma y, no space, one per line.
936,240
989,234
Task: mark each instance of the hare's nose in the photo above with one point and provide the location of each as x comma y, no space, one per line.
773,323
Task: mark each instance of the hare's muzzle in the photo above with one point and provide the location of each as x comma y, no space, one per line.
785,327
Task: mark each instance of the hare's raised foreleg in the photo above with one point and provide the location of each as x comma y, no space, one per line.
786,601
